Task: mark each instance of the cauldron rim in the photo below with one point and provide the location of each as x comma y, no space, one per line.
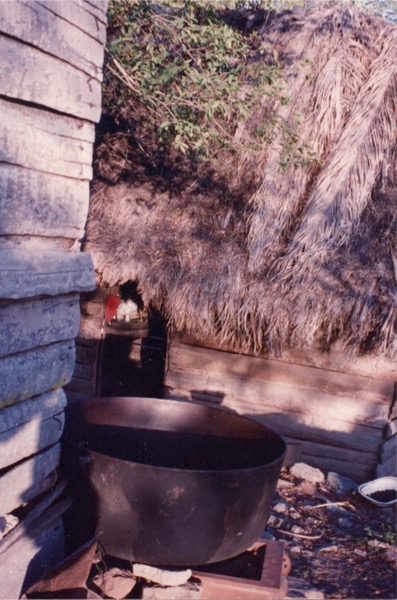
214,409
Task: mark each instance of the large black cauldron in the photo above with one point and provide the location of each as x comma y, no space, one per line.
173,483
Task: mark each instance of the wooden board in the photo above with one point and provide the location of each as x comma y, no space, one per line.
36,371
79,14
264,396
356,471
379,368
27,480
37,203
271,585
308,447
32,75
25,274
31,426
47,142
36,25
389,448
32,323
387,468
33,554
182,356
303,426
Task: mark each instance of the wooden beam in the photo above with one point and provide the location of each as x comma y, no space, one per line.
36,371
273,396
34,24
302,426
28,324
25,274
373,367
76,14
30,426
34,553
44,141
29,479
32,75
227,364
37,203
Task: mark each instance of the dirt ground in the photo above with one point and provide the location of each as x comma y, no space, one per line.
339,542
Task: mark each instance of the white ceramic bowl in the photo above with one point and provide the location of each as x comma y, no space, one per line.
379,485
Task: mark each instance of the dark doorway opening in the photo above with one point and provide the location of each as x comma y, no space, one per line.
133,352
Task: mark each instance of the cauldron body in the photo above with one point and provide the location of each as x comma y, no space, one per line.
172,483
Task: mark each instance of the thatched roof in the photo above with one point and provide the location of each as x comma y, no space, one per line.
260,257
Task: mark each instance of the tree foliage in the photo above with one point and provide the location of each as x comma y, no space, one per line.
180,76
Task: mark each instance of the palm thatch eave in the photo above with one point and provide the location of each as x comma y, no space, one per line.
306,258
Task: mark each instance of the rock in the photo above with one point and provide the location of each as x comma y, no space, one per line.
7,524
295,550
304,471
189,591
359,552
307,488
299,588
391,554
294,515
282,483
340,483
164,577
115,583
297,529
345,523
280,507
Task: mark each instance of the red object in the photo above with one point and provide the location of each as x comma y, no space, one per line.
112,304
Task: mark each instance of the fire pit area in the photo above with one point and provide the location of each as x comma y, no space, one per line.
258,573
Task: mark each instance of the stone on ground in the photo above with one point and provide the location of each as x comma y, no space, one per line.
164,577
304,471
340,483
299,588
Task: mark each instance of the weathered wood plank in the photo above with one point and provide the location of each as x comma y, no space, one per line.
82,386
335,452
36,25
36,371
391,428
301,426
388,449
85,354
355,471
33,554
94,309
97,8
74,13
29,324
90,328
336,360
25,274
37,139
35,510
34,76
387,468
83,371
31,426
29,479
227,364
37,203
261,395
